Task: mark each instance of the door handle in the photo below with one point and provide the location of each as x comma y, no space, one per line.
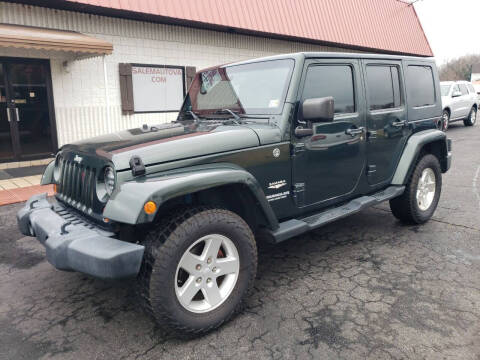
399,123
354,132
8,115
16,113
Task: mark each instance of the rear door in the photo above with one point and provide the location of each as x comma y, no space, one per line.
387,126
466,103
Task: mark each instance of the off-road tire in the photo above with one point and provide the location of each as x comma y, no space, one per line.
445,120
165,245
468,121
405,207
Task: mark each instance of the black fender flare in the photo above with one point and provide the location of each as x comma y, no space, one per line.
127,202
412,149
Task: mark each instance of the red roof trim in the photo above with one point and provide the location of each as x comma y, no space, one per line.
381,25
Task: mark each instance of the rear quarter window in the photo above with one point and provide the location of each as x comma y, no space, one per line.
470,88
422,85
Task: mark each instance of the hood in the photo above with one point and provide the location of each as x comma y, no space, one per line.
170,142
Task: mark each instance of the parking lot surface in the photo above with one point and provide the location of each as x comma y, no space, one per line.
363,287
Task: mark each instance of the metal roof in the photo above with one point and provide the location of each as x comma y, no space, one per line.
379,25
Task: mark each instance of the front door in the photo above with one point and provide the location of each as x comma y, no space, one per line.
26,121
329,163
386,118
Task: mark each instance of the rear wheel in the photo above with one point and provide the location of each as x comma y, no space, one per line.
422,192
198,267
472,117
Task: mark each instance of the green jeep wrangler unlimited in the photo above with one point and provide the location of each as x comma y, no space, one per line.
268,149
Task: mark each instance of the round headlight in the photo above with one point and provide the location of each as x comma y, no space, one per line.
109,179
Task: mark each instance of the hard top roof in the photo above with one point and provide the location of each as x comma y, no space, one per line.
335,55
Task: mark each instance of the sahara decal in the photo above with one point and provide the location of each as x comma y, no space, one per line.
277,184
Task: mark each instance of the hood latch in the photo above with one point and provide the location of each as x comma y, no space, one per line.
137,166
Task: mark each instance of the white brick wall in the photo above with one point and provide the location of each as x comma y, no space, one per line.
79,93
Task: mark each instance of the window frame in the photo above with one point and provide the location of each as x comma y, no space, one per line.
354,85
466,88
455,86
401,87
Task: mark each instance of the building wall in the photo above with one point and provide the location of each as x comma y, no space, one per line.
79,88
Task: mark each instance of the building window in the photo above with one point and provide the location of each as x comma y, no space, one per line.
383,86
331,80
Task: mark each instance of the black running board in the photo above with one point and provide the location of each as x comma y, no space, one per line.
294,227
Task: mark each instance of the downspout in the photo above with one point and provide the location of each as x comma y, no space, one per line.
107,102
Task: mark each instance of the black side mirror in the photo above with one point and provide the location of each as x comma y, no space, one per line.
319,109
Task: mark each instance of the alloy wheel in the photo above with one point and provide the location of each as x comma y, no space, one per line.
207,273
445,121
426,189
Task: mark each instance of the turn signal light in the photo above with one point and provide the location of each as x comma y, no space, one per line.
150,207
55,188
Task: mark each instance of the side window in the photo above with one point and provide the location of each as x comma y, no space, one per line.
471,89
331,80
383,85
455,89
421,84
463,89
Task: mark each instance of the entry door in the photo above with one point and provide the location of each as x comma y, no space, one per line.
386,118
26,122
6,138
329,163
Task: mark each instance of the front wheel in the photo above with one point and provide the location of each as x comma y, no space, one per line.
198,267
445,120
422,192
472,117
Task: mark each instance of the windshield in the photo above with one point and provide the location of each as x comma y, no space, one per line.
255,88
445,89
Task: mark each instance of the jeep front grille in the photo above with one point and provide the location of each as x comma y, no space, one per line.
77,185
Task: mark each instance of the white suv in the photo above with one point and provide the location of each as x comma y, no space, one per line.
460,102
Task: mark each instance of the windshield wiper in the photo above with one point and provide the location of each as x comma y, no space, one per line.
239,117
235,115
193,115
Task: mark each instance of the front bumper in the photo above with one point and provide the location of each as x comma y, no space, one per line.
74,244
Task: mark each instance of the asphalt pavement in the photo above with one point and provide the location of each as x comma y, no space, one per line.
363,287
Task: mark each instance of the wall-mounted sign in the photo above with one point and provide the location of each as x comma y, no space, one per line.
153,88
157,88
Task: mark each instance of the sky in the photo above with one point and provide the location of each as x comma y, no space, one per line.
452,27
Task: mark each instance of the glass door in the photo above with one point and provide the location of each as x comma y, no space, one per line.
6,138
26,108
